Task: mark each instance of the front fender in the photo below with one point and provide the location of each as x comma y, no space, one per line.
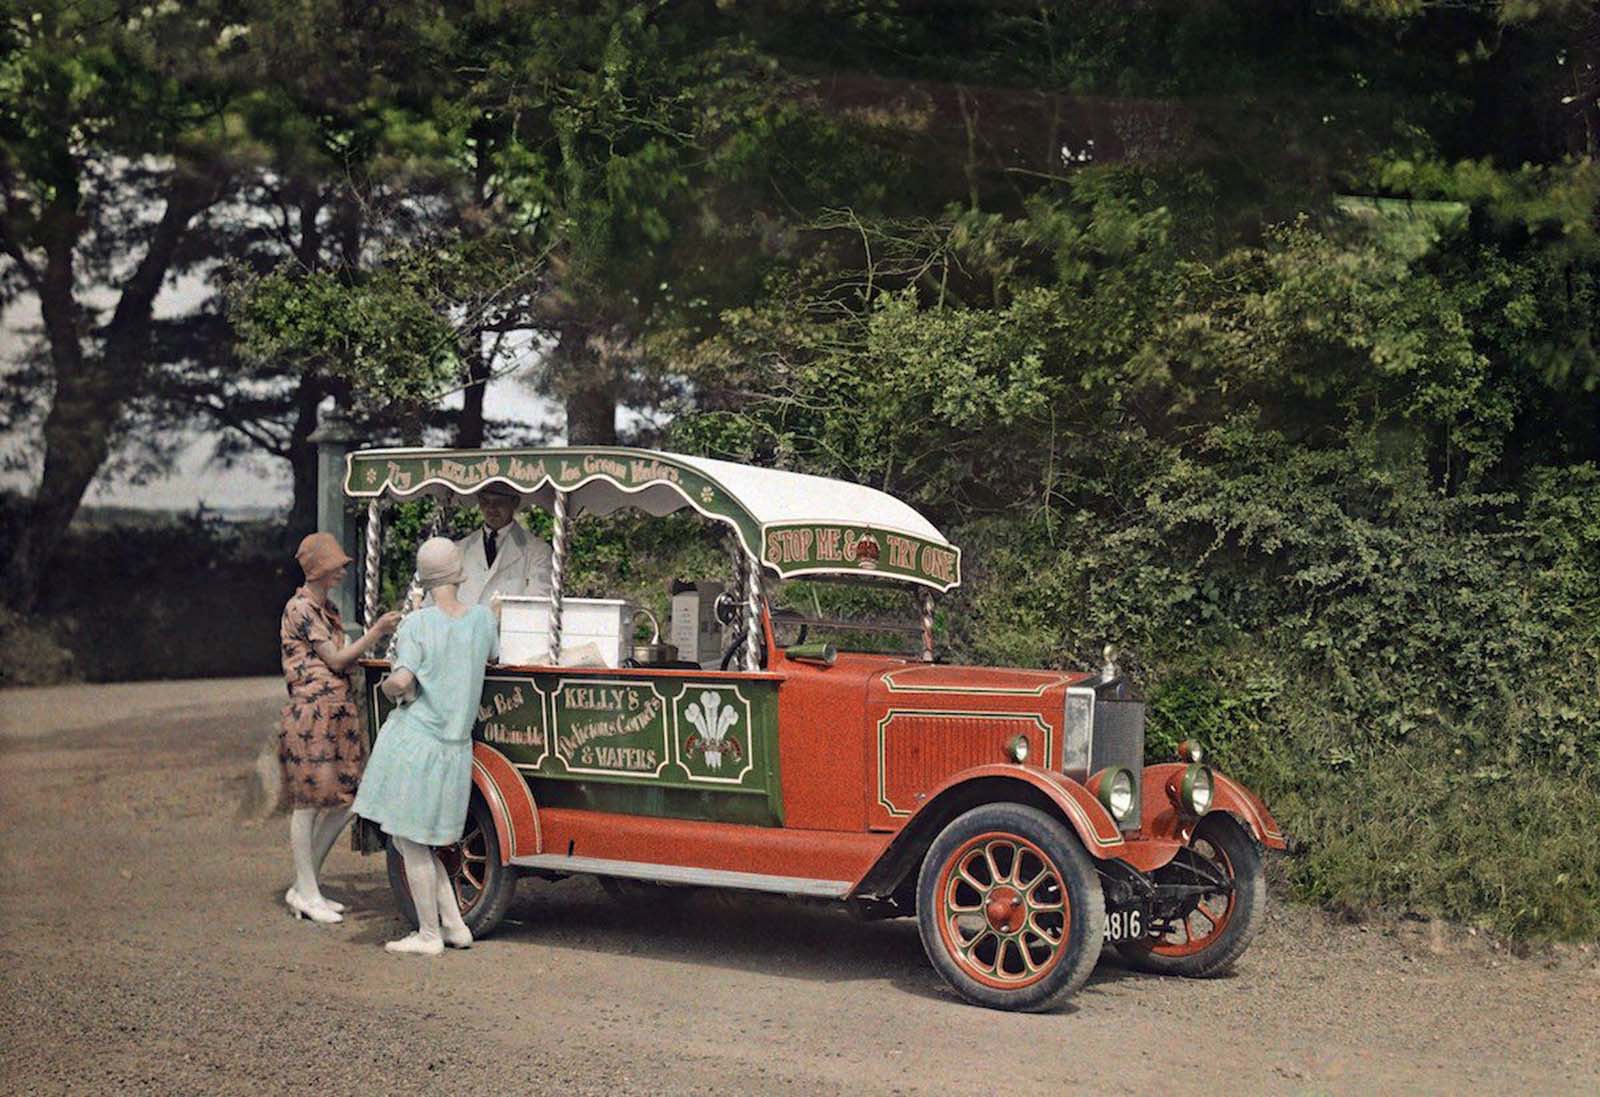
511,804
988,784
1163,820
1232,797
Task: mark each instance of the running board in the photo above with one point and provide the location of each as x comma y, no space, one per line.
679,874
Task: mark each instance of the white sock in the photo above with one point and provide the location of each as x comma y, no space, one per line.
422,885
302,832
330,823
449,905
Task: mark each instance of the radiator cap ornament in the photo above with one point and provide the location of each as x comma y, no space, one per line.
1109,672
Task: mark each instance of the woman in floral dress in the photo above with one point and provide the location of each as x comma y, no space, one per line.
320,746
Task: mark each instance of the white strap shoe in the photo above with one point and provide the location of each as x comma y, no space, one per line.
458,937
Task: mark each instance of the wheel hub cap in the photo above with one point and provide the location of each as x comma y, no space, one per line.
1005,910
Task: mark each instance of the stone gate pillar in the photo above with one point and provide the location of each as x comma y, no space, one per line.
335,438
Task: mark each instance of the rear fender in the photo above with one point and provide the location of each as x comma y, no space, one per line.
988,784
511,804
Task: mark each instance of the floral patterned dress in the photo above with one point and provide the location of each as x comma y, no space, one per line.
320,746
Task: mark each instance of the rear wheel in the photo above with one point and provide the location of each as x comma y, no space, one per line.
483,886
1010,909
1210,930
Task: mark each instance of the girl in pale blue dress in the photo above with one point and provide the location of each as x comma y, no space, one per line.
419,777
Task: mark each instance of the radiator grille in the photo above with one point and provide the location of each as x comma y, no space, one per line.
1119,741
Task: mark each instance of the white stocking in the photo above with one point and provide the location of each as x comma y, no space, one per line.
330,822
449,906
302,841
422,885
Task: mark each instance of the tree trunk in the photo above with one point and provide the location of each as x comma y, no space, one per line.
303,463
469,425
592,417
91,391
77,440
587,386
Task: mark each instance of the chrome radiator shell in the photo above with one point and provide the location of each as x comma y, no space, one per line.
1105,727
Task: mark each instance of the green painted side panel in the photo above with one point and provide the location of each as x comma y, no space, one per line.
807,548
679,747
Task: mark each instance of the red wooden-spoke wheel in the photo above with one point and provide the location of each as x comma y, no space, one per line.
484,887
1203,926
1213,928
1009,907
467,862
1004,919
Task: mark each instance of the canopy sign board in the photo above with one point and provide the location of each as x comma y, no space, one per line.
793,523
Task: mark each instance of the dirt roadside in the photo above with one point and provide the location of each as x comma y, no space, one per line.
144,948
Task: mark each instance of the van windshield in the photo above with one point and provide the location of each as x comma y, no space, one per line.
852,616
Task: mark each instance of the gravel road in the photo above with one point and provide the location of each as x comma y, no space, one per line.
144,948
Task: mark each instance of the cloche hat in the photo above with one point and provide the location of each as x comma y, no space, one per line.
320,556
439,563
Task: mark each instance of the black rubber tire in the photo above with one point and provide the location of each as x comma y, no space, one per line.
488,906
1243,862
1083,900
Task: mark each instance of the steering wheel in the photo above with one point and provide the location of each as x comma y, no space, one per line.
733,648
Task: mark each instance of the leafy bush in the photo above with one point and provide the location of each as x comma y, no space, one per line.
186,598
1322,491
32,652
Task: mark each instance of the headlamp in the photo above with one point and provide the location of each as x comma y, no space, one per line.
1116,792
1194,794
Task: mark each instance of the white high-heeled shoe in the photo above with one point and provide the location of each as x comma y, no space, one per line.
416,944
337,908
318,913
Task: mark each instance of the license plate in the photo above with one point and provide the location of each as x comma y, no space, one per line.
1127,924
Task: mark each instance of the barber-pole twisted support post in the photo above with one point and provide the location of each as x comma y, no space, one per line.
753,640
369,590
927,626
558,573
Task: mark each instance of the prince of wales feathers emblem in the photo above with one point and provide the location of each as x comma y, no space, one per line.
712,720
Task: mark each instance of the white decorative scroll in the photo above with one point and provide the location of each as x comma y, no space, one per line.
558,570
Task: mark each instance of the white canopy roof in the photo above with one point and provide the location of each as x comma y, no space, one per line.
775,496
793,523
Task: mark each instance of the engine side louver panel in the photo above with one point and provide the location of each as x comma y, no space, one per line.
918,751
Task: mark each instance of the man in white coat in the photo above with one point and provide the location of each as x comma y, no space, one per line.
502,557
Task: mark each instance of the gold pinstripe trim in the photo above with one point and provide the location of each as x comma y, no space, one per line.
975,691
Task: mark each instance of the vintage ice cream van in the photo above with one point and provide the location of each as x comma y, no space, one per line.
1012,812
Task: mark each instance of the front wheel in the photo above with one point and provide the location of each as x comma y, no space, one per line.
1010,909
1211,928
483,886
